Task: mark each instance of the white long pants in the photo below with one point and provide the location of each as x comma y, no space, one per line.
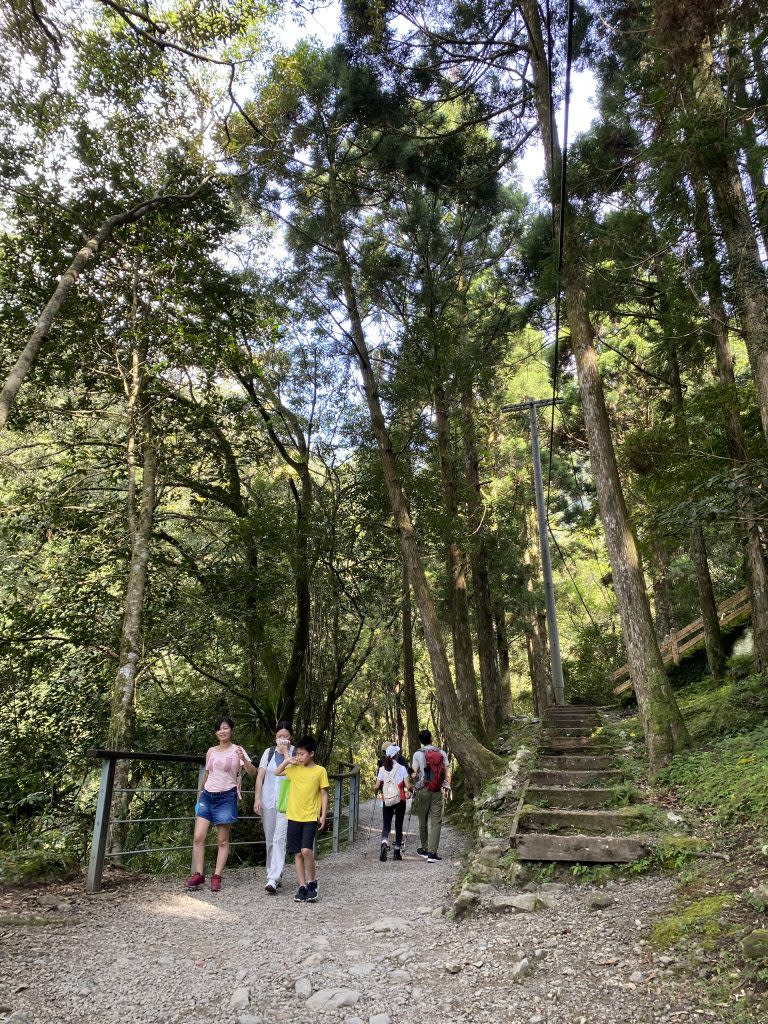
275,828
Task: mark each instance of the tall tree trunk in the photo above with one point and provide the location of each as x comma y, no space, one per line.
66,282
497,701
302,570
502,640
140,448
662,592
409,676
717,329
270,407
535,625
476,760
665,731
713,640
463,654
717,160
753,152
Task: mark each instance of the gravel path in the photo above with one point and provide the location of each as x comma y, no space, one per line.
149,953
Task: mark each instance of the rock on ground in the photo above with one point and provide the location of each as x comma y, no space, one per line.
150,953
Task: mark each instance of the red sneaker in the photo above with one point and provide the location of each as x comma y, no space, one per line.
195,881
215,883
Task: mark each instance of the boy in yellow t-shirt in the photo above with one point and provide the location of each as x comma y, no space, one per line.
307,806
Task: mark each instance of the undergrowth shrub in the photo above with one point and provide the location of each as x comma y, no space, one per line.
730,776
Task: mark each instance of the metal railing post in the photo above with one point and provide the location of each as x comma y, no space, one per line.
200,775
354,783
351,811
336,814
100,827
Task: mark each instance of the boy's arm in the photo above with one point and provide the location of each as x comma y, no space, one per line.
280,770
323,806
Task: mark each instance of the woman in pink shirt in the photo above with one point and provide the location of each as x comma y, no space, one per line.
217,802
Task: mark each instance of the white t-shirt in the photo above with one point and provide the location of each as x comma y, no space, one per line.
269,789
399,774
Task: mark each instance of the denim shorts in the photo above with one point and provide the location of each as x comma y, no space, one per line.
218,808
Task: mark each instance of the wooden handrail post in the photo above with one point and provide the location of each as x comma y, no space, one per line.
675,647
100,827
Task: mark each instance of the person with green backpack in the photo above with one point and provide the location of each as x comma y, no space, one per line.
271,801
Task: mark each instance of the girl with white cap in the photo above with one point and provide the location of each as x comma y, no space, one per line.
392,783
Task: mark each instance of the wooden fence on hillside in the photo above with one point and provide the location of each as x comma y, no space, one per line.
685,639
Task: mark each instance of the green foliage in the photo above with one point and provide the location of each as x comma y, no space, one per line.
729,778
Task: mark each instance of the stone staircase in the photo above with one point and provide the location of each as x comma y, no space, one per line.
568,811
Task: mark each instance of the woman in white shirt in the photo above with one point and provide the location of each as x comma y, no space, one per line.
392,783
265,803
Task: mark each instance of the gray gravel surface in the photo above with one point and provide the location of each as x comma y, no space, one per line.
375,945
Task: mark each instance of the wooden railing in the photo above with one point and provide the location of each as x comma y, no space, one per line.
685,639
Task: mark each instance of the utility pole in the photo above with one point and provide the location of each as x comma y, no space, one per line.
532,405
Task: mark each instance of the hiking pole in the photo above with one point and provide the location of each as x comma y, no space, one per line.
408,825
370,827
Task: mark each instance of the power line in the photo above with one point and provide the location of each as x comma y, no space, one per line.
563,199
573,578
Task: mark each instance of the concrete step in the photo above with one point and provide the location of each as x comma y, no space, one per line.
581,848
587,822
582,762
560,796
576,779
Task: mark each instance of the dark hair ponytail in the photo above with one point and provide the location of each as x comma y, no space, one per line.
389,764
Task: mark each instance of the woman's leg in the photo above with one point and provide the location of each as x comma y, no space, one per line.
278,848
399,819
198,845
222,850
387,822
268,816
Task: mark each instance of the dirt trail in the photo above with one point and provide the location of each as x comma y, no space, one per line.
148,953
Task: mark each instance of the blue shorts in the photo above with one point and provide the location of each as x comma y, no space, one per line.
218,808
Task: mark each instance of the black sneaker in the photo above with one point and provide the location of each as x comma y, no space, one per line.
301,895
383,853
422,853
397,855
432,858
312,892
271,888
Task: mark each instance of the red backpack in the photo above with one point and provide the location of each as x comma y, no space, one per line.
434,770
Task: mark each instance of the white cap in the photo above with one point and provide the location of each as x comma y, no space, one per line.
392,750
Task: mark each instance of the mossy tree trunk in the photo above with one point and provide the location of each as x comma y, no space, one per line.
665,731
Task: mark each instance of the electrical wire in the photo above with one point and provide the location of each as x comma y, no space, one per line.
573,578
563,200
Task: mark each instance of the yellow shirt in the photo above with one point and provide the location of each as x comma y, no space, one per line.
304,795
